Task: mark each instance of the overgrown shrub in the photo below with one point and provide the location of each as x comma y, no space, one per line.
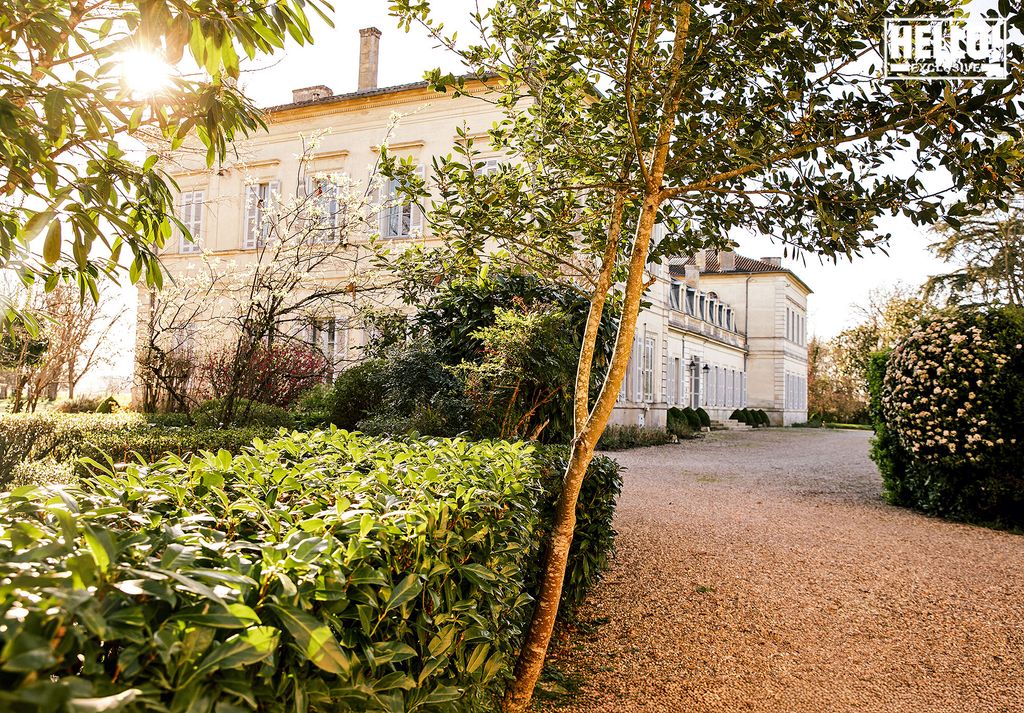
357,392
79,404
948,411
620,438
705,420
515,339
318,572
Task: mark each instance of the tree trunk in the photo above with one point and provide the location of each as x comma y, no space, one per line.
531,657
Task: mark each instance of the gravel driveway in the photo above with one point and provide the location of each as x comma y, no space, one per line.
761,571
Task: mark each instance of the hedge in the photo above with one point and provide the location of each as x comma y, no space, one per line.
692,418
618,437
705,419
321,572
947,405
62,438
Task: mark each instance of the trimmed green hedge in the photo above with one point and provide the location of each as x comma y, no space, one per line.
619,438
692,418
318,572
705,419
63,438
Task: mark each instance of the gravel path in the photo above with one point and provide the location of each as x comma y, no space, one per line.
761,571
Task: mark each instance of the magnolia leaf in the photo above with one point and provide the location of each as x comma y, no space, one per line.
106,703
36,223
51,246
314,640
405,590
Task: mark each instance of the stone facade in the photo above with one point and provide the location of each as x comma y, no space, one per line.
722,332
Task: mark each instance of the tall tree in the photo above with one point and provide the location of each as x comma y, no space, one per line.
706,118
69,107
988,250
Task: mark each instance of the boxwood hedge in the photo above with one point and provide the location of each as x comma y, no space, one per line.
322,572
61,438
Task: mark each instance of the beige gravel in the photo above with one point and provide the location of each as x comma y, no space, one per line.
761,571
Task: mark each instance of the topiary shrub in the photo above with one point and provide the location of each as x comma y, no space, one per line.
108,405
692,418
705,420
762,416
738,415
677,424
948,411
317,572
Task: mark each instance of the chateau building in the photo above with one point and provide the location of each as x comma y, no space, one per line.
723,331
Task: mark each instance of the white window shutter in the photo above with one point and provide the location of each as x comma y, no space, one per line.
252,216
384,209
416,210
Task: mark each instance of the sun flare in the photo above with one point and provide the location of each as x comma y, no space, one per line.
144,73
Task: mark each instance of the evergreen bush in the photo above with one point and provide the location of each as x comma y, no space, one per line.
948,411
705,420
318,572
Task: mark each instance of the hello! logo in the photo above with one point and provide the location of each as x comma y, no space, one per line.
945,48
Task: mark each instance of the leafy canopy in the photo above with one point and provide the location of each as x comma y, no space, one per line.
780,124
66,110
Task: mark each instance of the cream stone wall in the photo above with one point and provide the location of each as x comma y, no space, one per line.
679,359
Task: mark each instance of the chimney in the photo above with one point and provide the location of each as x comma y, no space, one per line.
726,260
692,276
701,259
308,94
369,49
774,261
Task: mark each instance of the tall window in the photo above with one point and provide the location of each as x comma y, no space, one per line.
647,377
694,368
190,213
259,200
691,298
399,217
322,206
327,336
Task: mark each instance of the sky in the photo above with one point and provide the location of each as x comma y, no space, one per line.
333,60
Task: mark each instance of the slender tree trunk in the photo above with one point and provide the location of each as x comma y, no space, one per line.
531,656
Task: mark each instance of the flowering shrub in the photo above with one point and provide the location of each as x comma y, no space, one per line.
278,374
949,415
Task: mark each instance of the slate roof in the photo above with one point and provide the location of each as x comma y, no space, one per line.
744,265
376,91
